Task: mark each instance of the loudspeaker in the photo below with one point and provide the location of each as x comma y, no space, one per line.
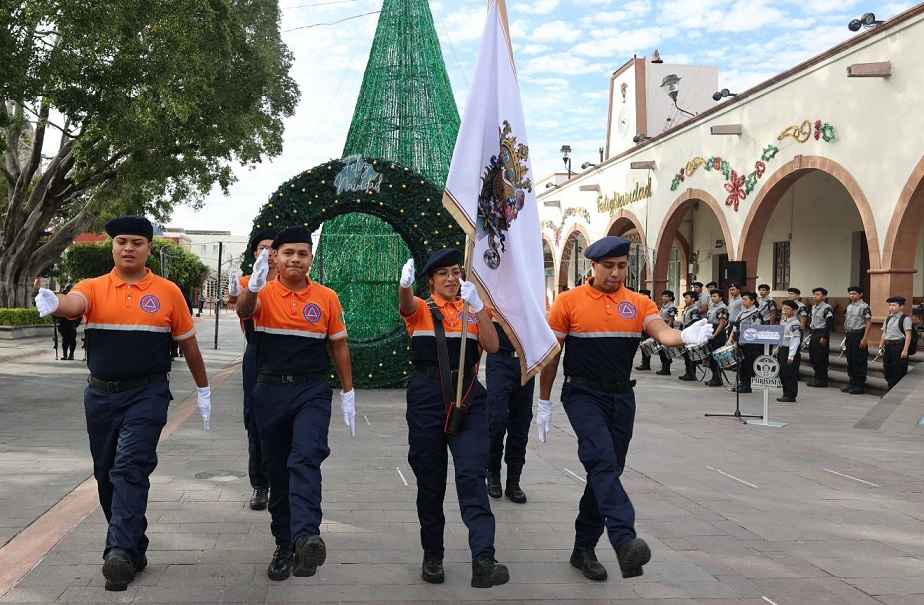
735,272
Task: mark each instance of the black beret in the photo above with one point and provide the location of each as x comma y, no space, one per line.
794,291
790,303
711,285
668,293
714,291
611,245
444,257
259,236
855,289
698,283
292,235
691,294
763,287
130,225
896,299
644,291
823,291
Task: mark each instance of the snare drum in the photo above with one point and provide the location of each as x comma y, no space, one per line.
728,356
650,347
672,352
698,352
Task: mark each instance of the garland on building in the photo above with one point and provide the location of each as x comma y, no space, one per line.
566,213
740,186
404,199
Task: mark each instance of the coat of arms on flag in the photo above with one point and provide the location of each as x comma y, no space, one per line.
504,185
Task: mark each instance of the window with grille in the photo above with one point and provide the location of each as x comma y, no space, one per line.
780,265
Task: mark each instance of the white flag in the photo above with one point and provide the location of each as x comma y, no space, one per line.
489,192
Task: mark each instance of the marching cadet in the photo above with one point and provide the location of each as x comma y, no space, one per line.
858,320
295,320
895,341
820,347
788,354
794,294
132,316
718,317
750,315
691,315
259,482
766,304
510,413
702,298
668,312
600,326
734,302
435,328
646,359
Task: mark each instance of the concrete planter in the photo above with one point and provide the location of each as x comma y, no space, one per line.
29,331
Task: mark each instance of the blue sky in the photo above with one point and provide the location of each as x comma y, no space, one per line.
565,51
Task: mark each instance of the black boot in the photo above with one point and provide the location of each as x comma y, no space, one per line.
310,553
514,492
494,486
432,569
849,386
715,381
585,559
632,555
118,570
858,388
260,498
280,567
665,370
486,572
643,366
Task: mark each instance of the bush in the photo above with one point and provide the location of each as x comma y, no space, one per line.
23,317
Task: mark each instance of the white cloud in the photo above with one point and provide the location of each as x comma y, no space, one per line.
556,31
539,7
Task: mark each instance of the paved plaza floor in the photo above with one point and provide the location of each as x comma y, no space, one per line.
827,509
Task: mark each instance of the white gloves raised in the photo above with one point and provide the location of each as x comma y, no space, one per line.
260,271
698,333
544,418
204,404
234,286
469,293
407,274
46,302
348,407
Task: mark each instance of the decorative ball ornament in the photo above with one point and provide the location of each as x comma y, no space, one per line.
393,193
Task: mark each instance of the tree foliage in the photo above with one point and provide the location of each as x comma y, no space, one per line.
90,260
127,106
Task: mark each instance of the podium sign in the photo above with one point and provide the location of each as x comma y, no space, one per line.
758,334
766,373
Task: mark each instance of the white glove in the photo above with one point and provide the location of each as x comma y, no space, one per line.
469,293
234,286
46,302
260,270
698,333
544,418
205,404
407,274
348,407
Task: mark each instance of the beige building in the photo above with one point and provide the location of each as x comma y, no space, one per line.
812,178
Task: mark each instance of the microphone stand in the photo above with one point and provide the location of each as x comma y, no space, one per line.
741,417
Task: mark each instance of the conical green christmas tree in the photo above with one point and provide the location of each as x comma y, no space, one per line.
405,113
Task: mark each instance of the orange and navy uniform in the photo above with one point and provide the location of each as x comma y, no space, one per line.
293,328
423,338
601,331
130,327
247,324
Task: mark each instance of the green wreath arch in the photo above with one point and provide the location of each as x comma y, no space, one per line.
409,202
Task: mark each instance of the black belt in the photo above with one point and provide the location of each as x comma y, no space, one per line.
505,354
117,386
607,387
855,332
434,372
288,378
818,330
897,341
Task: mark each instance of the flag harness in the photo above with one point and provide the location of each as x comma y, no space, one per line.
454,411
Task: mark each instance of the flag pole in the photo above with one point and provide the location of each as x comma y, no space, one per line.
455,414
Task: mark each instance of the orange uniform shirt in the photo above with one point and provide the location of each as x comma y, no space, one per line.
292,328
601,332
129,327
247,324
423,338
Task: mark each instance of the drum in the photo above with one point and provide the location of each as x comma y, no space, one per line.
698,352
728,356
650,347
672,352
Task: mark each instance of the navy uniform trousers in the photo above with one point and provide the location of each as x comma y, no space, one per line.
254,450
124,429
789,372
819,354
603,424
857,358
294,420
428,457
510,412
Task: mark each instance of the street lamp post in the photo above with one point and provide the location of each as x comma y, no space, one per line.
566,158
